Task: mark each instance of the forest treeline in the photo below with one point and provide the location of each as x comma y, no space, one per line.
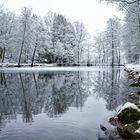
28,38
121,39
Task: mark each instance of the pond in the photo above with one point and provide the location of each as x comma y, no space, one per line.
60,105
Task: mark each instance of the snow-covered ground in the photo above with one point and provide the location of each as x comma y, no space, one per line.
24,65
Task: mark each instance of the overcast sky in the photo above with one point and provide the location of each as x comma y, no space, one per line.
92,13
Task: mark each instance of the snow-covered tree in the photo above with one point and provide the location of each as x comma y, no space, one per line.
24,35
131,35
108,44
6,32
53,39
80,35
131,28
60,39
38,37
113,40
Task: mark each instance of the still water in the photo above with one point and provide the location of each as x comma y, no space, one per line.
60,105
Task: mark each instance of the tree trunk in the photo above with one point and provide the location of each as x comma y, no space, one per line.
88,62
3,54
119,61
34,54
112,45
104,55
19,60
78,56
22,45
139,33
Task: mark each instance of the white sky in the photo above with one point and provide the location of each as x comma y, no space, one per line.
92,13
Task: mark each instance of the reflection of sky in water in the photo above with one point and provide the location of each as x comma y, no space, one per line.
59,106
75,124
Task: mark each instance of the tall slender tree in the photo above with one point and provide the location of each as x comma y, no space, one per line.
24,30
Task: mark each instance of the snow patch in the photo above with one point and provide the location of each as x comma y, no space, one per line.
137,131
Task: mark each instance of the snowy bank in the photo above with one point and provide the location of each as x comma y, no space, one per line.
133,73
127,119
5,65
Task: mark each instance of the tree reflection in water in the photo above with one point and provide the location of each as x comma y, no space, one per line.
30,94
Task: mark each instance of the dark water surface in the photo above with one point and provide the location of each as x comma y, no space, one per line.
60,105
